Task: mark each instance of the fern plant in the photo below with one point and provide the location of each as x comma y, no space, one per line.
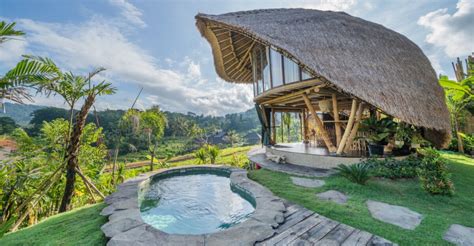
358,173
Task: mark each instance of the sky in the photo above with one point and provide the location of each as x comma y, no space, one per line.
155,45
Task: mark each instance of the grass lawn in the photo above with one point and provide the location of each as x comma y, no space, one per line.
439,212
77,227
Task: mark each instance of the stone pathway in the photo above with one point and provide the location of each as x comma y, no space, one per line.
333,196
395,215
308,183
304,227
258,156
459,235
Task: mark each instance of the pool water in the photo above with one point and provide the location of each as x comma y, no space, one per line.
194,204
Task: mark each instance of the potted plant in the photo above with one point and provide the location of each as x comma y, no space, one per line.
377,133
402,139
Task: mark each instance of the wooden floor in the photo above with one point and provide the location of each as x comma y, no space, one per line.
304,227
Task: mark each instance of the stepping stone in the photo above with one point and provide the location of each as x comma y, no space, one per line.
308,183
395,215
459,235
334,196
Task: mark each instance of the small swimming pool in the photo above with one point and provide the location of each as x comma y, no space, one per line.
194,202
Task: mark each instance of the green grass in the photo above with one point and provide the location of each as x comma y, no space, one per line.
77,227
439,211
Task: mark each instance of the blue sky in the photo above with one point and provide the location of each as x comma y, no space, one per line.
155,44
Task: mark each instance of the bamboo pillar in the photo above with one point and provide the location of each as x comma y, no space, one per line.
319,125
305,126
347,132
273,127
355,128
337,123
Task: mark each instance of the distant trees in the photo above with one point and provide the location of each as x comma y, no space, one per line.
7,125
232,137
151,124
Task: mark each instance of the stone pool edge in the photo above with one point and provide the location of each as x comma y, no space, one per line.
126,227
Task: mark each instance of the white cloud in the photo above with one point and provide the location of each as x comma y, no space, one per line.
100,43
452,32
11,51
130,12
336,5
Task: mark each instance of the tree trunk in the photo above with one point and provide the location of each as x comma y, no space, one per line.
459,138
114,165
72,153
153,151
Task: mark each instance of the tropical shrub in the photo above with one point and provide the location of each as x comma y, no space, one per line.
213,152
358,173
393,168
239,160
201,155
433,173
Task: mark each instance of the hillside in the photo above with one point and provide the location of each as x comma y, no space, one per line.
20,113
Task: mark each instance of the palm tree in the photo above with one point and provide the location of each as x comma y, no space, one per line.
8,32
72,165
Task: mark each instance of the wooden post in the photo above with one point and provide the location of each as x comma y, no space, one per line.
347,132
319,125
355,128
273,127
337,124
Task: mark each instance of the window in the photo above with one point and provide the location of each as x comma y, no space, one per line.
292,71
277,72
257,70
305,75
266,68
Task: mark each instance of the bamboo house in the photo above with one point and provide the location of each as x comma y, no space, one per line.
330,68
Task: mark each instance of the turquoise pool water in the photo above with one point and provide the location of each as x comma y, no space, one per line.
195,204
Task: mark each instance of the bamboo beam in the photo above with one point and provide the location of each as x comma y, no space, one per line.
347,132
355,128
319,125
337,124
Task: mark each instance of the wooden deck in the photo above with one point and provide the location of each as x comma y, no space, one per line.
304,227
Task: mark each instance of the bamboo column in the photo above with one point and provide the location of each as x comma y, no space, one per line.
337,123
273,127
347,132
319,125
355,128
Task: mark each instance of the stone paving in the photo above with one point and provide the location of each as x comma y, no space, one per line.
395,215
333,196
460,235
308,183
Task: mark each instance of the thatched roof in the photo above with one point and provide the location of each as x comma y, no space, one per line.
358,57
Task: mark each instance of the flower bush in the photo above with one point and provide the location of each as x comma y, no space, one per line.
433,173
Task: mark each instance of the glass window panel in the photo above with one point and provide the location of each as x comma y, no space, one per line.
292,72
257,70
305,75
266,69
277,73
